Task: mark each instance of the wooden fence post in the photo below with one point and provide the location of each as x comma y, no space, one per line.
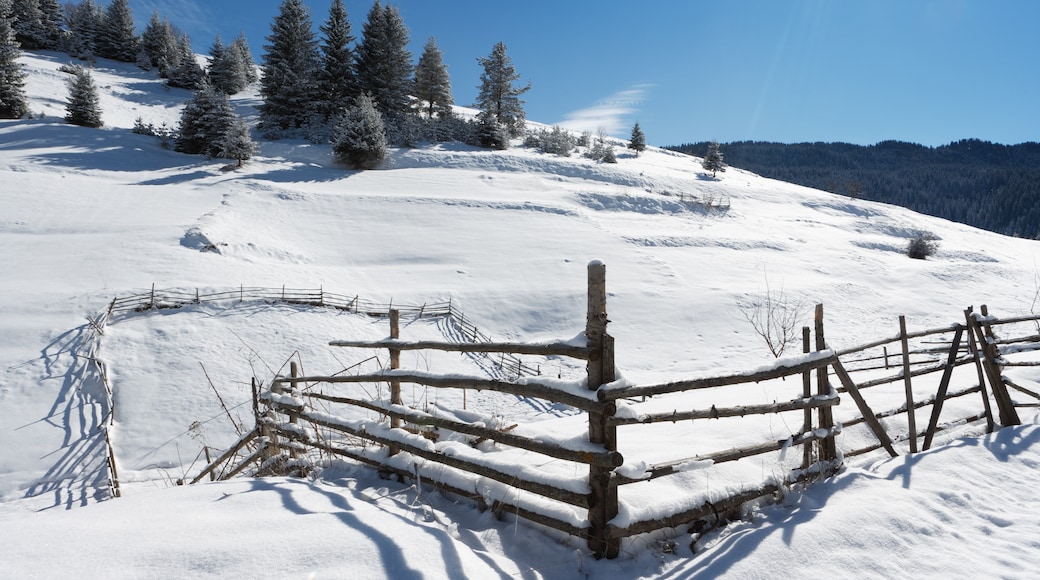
1005,406
600,369
828,449
944,384
395,363
981,373
294,414
807,448
908,385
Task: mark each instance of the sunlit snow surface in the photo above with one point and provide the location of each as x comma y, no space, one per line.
86,216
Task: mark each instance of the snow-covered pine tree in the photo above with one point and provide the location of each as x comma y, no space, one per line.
84,104
337,81
290,70
84,24
432,86
116,37
237,143
713,160
160,44
498,96
227,72
13,104
637,142
26,19
384,64
188,73
246,56
53,20
358,136
205,122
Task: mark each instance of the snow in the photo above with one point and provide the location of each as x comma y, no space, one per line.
90,215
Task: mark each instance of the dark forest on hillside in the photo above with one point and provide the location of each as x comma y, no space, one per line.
987,185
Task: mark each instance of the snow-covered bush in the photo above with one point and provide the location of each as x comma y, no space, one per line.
555,142
358,137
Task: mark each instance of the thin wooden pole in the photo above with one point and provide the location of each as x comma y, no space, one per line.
1005,407
600,369
807,450
981,373
944,384
395,363
828,449
908,385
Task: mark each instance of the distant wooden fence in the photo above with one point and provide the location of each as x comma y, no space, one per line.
288,424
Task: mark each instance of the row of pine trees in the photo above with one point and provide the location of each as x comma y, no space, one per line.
360,95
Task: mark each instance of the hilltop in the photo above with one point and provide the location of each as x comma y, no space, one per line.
89,215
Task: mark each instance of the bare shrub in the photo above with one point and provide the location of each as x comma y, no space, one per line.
922,245
775,317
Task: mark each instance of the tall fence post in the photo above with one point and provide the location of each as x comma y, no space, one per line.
908,385
807,449
978,369
395,363
294,414
1005,406
602,480
828,450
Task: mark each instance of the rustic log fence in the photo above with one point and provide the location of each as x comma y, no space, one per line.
448,450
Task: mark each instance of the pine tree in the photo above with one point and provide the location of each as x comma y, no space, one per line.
205,121
116,37
187,74
290,66
637,142
432,85
27,23
337,82
237,144
160,44
358,136
713,160
84,21
53,18
240,46
84,105
384,65
13,103
227,72
498,97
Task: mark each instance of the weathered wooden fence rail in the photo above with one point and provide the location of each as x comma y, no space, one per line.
399,440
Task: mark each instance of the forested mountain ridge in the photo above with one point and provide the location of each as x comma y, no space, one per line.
987,185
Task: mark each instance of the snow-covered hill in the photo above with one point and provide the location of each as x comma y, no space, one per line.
88,215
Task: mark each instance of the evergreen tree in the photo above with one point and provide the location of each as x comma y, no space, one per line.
160,44
188,73
240,46
26,19
337,82
637,142
116,38
713,160
384,65
432,85
205,122
358,136
498,96
84,105
227,72
13,104
290,66
52,21
84,22
237,144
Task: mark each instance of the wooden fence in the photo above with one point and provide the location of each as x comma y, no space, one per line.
409,442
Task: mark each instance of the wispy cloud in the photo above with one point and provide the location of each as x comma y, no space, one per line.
609,115
191,15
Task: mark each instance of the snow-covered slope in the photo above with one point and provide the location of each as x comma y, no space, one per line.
88,215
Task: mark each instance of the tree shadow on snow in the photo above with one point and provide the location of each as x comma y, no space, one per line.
80,473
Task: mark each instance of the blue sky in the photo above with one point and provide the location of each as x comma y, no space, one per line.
857,71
